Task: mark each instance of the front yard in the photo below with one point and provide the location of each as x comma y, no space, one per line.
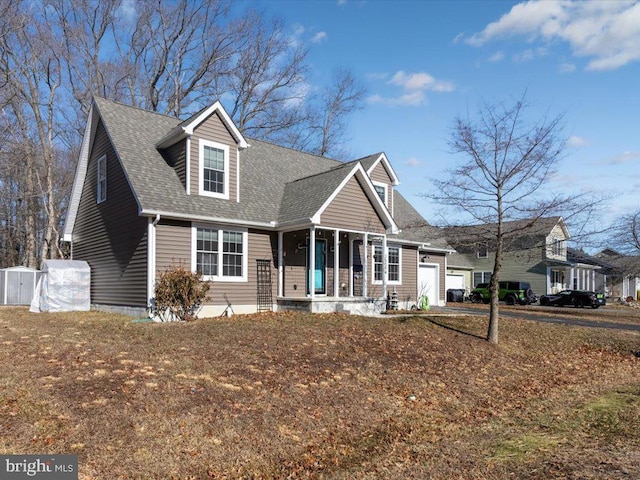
330,396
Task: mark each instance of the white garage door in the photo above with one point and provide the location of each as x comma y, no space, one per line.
428,283
455,281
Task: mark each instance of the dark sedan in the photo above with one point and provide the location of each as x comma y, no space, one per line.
577,298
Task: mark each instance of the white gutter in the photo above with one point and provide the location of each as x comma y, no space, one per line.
205,218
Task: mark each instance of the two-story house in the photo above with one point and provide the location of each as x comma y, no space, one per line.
270,227
534,252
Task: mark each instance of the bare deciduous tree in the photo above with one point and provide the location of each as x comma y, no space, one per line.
625,236
507,162
170,57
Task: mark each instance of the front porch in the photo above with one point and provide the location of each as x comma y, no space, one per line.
329,270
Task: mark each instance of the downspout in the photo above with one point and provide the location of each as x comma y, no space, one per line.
151,261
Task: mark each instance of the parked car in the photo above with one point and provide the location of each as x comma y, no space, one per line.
509,291
577,298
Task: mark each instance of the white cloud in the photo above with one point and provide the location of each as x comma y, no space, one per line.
127,11
496,57
576,142
413,162
414,87
342,2
529,54
420,81
567,68
412,99
319,37
607,33
623,158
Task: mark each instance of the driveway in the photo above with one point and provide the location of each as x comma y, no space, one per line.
542,315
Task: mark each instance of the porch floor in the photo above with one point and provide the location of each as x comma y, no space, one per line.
351,305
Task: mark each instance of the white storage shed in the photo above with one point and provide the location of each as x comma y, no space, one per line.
65,286
17,285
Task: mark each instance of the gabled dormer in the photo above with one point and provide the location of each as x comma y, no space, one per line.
556,242
382,176
204,150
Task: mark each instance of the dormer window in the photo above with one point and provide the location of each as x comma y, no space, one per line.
381,190
214,169
557,247
482,250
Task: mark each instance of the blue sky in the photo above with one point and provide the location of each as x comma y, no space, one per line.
426,62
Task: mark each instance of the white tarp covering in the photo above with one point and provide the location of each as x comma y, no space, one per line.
65,286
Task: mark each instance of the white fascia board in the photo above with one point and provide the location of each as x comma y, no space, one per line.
370,192
383,158
80,175
217,107
421,245
180,132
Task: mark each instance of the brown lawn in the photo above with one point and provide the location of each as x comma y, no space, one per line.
325,396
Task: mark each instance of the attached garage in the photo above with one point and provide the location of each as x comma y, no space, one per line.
455,281
428,282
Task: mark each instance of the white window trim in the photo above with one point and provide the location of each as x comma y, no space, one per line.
221,229
386,191
101,195
373,266
486,249
225,148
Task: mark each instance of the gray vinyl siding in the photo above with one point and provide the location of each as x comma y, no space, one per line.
173,245
351,209
295,264
214,130
175,156
407,291
380,174
262,246
111,236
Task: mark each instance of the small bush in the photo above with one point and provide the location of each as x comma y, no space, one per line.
179,293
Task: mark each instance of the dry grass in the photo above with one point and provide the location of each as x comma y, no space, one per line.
325,396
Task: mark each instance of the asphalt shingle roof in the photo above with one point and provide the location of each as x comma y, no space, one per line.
276,183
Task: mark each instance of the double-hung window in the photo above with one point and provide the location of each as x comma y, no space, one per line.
102,179
220,254
557,247
214,169
482,250
394,265
381,190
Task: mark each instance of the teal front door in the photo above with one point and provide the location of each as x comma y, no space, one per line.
319,268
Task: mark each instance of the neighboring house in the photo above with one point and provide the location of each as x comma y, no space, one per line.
588,272
534,252
271,227
623,274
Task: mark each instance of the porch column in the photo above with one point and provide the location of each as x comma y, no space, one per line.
312,262
365,267
350,266
336,263
571,274
280,266
385,266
